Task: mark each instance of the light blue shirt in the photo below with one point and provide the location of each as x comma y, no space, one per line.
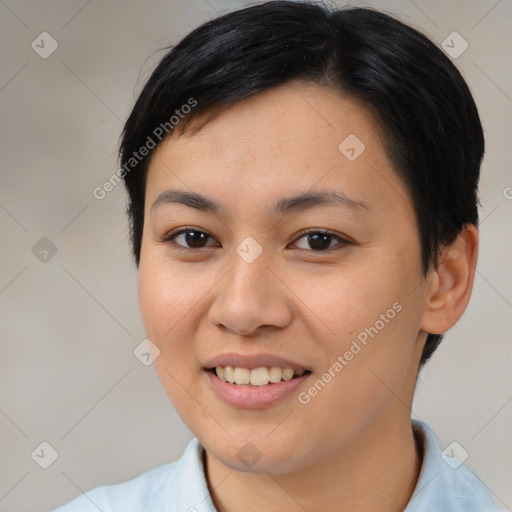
443,486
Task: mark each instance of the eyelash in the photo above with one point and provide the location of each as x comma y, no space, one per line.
342,241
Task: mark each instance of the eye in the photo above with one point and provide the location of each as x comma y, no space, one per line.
320,240
192,238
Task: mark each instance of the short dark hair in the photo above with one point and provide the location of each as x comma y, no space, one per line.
429,119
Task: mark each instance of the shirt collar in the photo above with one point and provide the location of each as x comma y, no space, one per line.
445,483
187,489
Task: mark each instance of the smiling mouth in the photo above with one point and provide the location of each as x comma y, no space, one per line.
256,377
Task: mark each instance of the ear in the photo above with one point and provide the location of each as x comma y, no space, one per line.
449,285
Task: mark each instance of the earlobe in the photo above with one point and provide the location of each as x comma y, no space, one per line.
450,284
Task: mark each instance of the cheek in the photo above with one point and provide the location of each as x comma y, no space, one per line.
165,299
154,295
369,318
342,301
361,379
172,301
165,296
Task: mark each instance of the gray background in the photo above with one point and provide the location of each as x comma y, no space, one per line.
69,325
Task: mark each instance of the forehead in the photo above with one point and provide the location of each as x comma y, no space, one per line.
290,115
295,137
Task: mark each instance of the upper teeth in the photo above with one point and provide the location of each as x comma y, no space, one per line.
256,377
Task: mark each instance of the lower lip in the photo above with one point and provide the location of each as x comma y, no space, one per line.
254,397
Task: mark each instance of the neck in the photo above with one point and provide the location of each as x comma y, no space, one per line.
376,471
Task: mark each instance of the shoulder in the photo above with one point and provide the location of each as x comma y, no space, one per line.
142,492
147,491
445,483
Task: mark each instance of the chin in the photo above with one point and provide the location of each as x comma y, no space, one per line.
274,456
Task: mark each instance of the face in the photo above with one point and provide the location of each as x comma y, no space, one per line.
246,277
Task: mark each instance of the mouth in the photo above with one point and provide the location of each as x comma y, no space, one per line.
256,377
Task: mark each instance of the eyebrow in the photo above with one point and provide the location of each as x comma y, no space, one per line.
300,202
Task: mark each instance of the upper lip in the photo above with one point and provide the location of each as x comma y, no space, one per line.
252,361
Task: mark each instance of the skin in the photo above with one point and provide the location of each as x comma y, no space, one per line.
352,446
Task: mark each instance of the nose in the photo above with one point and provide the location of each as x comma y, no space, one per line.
250,298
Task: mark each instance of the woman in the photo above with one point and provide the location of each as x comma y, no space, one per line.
303,202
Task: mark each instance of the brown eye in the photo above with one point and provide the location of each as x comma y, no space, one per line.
190,238
319,241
